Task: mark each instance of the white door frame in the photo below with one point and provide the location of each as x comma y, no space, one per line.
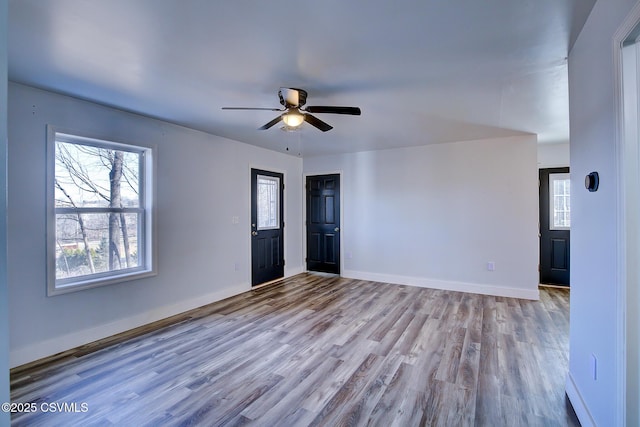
627,144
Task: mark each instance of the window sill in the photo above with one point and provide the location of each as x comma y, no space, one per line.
81,285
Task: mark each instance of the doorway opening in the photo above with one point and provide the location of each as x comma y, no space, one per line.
555,225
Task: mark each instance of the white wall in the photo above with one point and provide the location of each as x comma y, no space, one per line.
594,284
202,182
4,303
553,155
435,215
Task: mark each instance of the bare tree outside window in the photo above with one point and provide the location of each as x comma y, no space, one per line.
98,209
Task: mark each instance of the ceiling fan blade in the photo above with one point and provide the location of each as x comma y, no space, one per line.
314,121
252,108
354,111
271,123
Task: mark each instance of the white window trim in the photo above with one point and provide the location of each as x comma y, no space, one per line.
555,177
277,210
149,259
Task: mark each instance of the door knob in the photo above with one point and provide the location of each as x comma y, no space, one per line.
336,229
254,233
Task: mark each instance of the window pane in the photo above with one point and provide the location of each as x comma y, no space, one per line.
83,176
560,201
110,238
268,202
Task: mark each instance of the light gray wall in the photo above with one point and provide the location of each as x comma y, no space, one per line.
435,215
594,216
553,155
202,182
4,298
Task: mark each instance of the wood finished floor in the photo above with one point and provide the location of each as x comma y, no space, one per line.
315,350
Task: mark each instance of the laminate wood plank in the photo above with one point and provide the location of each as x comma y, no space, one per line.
409,335
389,319
388,407
440,304
229,405
321,350
123,412
294,375
509,362
309,346
452,405
469,316
502,316
349,392
245,369
291,407
448,368
488,397
331,385
393,335
359,410
62,370
467,375
428,345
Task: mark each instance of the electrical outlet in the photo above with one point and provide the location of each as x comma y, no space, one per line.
491,266
349,255
236,266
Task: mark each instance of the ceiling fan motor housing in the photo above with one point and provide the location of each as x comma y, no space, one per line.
292,97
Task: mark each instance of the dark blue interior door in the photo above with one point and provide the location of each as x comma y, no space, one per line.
323,223
267,226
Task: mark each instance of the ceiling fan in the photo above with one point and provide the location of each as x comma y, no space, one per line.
294,112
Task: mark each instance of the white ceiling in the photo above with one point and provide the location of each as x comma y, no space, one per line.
422,71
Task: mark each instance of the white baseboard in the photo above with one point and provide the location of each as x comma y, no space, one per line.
289,272
52,346
582,412
474,288
61,343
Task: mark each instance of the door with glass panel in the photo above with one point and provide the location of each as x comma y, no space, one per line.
555,224
267,226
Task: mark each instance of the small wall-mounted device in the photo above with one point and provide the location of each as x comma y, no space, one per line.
592,181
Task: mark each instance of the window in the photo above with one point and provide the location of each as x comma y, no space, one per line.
560,203
268,202
99,204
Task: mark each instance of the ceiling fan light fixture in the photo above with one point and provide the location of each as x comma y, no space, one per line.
293,118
